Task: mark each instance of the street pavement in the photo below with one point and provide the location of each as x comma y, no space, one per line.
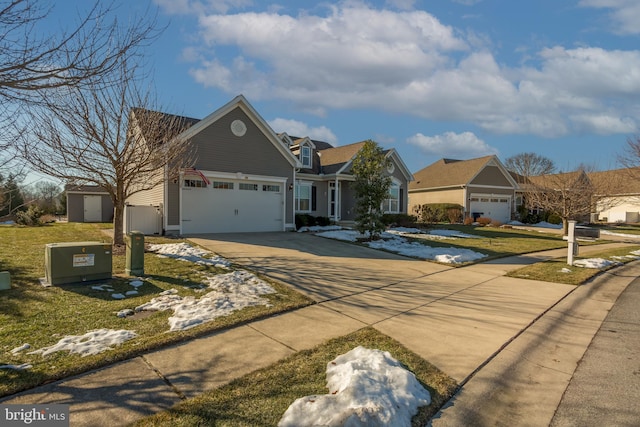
512,344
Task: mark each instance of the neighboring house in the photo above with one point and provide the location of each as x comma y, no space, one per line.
482,186
247,178
88,203
619,201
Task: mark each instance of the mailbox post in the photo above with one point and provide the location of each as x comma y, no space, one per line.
135,254
573,244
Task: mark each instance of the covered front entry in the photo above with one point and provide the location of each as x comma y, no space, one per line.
496,207
232,205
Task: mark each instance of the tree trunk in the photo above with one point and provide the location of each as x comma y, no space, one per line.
118,216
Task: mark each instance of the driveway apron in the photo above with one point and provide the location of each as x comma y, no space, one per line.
453,317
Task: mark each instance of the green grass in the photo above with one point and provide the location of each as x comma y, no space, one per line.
551,271
38,315
261,398
498,242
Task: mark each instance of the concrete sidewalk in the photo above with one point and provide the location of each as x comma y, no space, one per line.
471,322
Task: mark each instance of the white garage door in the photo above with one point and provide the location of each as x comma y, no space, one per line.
229,206
494,207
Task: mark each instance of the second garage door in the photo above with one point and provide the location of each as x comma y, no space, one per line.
230,206
494,207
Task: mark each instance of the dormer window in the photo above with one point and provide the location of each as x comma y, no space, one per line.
305,156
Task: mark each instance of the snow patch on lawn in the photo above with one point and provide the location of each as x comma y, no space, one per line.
230,292
367,388
17,367
93,342
186,252
394,243
594,263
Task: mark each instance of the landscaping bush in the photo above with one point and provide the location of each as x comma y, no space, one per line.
554,219
30,217
483,221
495,223
305,220
454,215
440,212
323,221
468,221
399,220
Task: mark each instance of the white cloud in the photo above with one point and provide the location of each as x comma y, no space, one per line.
355,56
297,128
464,145
184,7
625,14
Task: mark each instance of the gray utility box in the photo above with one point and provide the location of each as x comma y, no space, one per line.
77,262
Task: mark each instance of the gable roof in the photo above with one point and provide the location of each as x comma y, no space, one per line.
554,180
617,181
335,160
452,173
241,102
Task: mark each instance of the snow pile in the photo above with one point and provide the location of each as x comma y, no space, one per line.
367,388
545,224
186,252
231,292
565,270
92,342
594,263
402,246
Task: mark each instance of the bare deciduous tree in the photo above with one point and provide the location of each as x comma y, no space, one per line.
33,60
111,136
529,164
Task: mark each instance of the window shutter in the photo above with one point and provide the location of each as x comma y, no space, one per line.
313,198
401,207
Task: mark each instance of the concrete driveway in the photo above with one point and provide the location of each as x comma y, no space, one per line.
437,311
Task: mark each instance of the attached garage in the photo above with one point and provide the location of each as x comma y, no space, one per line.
226,205
496,207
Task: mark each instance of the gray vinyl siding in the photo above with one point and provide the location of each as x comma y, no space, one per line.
491,175
75,207
107,209
322,199
219,150
173,204
348,208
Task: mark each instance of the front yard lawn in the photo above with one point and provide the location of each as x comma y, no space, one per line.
261,398
559,271
498,242
40,316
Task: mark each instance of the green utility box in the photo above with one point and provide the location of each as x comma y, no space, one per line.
5,280
135,254
74,262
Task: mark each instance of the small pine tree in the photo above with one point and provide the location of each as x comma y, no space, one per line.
371,188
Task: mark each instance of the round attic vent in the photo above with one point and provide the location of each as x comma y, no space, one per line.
238,127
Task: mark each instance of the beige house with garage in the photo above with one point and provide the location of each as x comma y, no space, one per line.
482,186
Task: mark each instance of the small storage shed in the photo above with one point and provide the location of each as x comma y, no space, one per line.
88,203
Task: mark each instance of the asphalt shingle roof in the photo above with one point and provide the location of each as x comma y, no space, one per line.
448,173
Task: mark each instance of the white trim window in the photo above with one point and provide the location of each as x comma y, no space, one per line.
392,204
303,197
305,156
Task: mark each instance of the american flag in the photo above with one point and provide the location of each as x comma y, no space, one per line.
193,171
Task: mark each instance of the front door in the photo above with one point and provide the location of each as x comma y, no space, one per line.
334,204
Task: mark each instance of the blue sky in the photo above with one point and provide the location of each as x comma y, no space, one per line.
431,78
